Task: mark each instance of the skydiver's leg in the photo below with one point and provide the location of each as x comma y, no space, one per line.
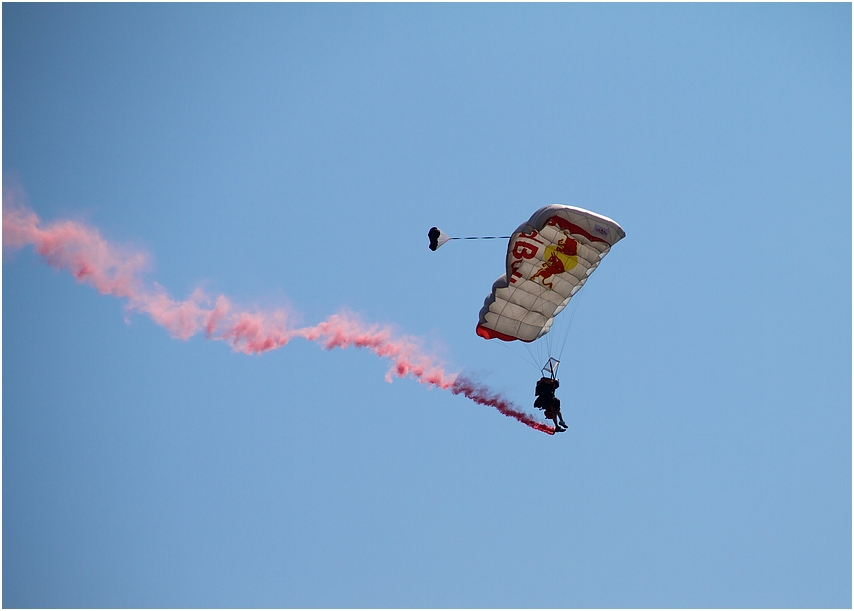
557,411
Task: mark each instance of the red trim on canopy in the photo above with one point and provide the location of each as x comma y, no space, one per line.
487,333
572,228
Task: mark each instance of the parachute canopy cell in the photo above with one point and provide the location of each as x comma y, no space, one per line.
549,258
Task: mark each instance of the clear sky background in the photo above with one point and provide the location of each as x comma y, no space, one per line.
296,155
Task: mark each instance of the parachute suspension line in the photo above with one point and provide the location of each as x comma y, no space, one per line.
530,362
551,337
534,360
484,237
549,344
574,309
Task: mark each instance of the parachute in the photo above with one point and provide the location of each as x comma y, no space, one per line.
437,237
549,258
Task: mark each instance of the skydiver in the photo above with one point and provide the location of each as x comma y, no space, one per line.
546,400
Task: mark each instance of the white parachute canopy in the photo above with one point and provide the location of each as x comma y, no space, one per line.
549,258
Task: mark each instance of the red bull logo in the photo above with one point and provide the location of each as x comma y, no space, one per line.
559,258
567,227
525,246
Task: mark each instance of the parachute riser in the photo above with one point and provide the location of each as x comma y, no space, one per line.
550,368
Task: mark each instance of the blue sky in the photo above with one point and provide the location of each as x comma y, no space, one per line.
297,155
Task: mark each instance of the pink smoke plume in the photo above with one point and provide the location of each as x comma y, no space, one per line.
113,270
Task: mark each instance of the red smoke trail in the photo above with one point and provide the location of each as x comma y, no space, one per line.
484,396
112,270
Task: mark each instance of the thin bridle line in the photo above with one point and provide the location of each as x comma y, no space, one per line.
484,237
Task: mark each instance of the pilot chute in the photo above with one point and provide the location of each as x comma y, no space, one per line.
437,237
549,258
